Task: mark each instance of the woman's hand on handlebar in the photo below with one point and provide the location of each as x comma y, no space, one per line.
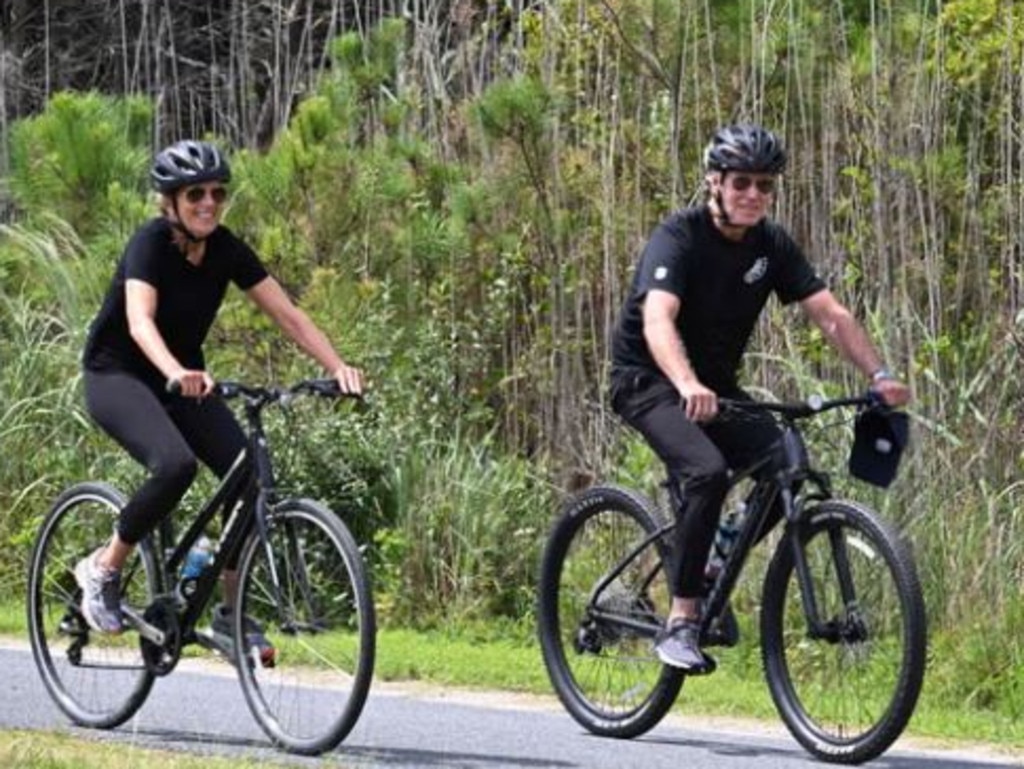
190,383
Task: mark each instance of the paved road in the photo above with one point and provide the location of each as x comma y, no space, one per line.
200,708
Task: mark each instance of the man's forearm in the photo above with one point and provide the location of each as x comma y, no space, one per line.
669,353
850,338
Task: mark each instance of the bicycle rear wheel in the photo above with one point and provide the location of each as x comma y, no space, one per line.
320,622
847,691
99,680
596,633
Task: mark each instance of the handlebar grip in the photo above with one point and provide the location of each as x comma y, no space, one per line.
223,389
327,388
875,399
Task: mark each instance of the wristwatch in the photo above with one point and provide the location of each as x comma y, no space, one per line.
882,373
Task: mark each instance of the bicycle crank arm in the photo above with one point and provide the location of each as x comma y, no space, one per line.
146,630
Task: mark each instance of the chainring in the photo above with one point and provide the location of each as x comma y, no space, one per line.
161,659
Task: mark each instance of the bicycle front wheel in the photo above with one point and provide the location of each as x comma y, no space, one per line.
99,680
847,682
602,597
308,588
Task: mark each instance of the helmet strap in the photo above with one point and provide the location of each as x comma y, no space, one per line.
177,224
723,215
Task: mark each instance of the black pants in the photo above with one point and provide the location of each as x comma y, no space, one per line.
166,435
697,458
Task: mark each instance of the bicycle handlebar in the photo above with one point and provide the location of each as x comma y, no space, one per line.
816,404
263,394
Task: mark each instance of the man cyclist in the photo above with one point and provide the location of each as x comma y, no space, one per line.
701,283
161,302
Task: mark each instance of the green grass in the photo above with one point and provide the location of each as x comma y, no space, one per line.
489,657
12,620
447,658
47,750
737,689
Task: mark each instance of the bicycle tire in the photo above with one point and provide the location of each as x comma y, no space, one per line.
309,699
98,680
606,676
846,697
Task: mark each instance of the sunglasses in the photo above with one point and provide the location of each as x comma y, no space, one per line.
741,183
196,194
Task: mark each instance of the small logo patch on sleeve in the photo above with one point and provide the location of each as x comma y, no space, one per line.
661,273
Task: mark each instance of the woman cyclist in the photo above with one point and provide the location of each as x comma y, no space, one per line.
161,302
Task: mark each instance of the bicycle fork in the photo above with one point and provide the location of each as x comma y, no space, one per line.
847,627
292,560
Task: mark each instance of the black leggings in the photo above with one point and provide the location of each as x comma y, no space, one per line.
697,458
166,435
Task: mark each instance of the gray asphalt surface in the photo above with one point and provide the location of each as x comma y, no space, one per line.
201,709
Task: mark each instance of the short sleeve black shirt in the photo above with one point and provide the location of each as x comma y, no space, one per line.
188,298
722,286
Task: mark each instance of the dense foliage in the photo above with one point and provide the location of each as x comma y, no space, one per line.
461,212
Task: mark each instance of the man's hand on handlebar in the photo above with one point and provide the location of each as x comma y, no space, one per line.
893,392
699,403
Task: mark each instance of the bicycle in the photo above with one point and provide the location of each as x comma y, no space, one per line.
842,620
301,575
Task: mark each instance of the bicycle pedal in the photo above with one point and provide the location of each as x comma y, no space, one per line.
717,637
722,631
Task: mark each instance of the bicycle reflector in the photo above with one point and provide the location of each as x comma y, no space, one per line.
879,438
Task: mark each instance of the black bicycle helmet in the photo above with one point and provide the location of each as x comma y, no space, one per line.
745,147
188,162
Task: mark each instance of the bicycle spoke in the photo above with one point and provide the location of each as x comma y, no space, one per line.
98,680
603,596
322,630
850,680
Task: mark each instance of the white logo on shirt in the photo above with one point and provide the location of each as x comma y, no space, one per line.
661,273
756,272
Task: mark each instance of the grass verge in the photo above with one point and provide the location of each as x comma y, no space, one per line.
47,750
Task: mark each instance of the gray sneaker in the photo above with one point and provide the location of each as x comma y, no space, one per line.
678,645
101,595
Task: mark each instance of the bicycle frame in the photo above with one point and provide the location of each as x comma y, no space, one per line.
780,475
793,470
247,490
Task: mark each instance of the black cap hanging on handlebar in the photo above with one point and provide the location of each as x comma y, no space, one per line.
879,438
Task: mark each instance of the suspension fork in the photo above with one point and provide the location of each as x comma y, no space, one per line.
817,628
795,528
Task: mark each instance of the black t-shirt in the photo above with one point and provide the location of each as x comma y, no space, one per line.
188,298
722,287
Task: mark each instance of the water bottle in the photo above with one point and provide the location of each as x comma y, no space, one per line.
725,538
198,558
